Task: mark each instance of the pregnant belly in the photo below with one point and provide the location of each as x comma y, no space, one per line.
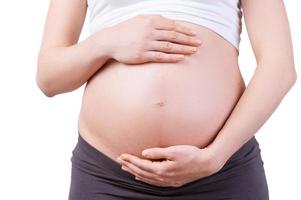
128,108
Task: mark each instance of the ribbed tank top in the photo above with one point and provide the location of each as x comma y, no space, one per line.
221,16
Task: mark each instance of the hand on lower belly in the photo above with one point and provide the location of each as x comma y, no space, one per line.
172,166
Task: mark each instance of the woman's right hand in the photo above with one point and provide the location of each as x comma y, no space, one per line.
148,38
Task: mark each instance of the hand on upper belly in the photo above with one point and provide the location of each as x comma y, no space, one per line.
172,166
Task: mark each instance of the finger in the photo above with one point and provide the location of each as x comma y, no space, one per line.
158,181
143,164
171,24
157,56
158,153
177,37
170,47
137,171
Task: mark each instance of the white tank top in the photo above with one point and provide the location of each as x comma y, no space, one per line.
221,16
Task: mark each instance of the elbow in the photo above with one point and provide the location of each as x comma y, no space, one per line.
289,79
44,87
292,77
285,71
43,83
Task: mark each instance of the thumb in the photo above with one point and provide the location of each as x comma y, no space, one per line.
156,153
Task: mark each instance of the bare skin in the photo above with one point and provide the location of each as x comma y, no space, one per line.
154,102
144,104
162,104
274,76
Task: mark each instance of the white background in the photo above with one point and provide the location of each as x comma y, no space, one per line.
38,133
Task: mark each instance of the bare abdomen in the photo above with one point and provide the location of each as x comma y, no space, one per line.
127,108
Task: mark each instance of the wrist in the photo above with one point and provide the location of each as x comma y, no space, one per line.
99,46
218,154
207,157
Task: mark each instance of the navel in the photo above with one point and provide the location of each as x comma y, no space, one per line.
160,103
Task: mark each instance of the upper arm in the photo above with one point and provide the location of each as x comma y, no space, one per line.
268,30
64,22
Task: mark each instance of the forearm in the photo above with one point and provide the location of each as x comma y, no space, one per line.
262,96
63,69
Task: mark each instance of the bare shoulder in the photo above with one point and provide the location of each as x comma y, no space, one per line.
64,22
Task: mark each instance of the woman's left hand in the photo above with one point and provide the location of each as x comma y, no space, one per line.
181,164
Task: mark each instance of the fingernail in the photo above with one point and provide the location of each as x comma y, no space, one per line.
144,152
179,57
198,41
193,49
193,32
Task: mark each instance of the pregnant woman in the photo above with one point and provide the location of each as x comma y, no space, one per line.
165,112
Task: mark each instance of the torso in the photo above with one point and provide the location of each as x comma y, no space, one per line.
128,108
